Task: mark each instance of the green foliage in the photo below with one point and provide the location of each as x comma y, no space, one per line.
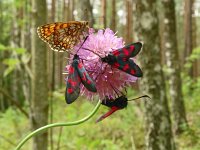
121,131
194,56
11,63
18,56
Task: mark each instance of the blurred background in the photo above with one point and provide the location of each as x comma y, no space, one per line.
32,85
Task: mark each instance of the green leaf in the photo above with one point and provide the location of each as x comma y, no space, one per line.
11,61
8,71
2,47
20,50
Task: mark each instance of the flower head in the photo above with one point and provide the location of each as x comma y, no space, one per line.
97,46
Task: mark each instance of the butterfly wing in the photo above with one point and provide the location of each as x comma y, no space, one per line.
127,51
128,66
85,78
63,36
73,85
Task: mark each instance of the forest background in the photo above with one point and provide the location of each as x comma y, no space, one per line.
32,83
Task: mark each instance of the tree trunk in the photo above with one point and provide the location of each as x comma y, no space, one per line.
86,13
103,4
196,70
172,59
157,116
129,21
188,31
39,103
113,22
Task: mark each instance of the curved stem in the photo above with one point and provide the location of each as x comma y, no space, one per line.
39,130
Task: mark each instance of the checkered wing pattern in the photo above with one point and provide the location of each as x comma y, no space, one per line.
63,36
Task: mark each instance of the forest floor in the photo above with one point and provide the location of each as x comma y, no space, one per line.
123,130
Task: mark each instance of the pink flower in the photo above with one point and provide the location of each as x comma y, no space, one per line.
101,43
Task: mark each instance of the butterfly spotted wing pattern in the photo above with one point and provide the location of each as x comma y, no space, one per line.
120,59
77,75
63,36
114,105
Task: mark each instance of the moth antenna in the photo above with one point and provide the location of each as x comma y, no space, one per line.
100,72
82,44
125,90
92,51
83,59
114,89
116,32
140,97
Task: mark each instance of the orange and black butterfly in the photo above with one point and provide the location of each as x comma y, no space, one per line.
63,36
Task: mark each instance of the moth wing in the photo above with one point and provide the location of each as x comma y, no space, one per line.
129,67
128,51
73,85
110,112
85,78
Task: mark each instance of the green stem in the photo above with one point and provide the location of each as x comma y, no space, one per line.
57,125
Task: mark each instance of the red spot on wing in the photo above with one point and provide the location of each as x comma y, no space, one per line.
88,81
126,52
69,80
83,77
126,67
132,48
73,83
116,65
116,53
80,65
71,69
132,71
69,90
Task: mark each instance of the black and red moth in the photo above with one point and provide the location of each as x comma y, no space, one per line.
77,75
120,59
116,104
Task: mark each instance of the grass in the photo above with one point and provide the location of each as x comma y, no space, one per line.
123,130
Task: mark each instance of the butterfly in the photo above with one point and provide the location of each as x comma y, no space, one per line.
77,75
120,59
119,103
63,36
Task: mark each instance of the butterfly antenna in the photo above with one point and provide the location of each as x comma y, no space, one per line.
140,97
